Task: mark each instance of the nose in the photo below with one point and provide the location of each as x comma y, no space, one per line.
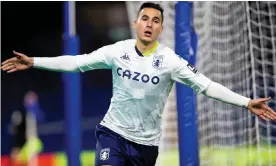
149,24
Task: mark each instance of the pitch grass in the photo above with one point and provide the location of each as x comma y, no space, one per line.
249,156
216,157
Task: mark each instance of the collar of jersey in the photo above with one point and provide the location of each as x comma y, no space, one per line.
148,52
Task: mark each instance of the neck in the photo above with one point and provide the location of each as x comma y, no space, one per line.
144,47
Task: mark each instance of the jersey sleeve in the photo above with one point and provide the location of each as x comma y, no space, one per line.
101,58
187,74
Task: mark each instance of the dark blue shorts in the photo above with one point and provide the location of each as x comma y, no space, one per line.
112,149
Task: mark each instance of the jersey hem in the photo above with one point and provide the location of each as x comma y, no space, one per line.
113,128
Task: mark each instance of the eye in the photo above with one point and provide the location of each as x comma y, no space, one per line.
156,21
144,18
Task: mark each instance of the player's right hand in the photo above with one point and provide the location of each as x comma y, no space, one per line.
20,62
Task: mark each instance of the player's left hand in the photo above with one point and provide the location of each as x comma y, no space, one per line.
259,108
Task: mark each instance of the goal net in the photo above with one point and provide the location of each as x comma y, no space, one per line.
237,48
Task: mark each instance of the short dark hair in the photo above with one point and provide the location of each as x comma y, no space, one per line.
154,6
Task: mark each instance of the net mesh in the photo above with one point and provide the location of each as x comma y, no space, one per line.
236,48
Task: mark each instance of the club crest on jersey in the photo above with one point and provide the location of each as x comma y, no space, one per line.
125,57
104,155
157,61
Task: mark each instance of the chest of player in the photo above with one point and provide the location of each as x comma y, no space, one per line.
145,70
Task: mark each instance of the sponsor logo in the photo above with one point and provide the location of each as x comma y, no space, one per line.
136,76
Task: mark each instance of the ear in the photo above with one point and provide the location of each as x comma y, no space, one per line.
134,24
161,29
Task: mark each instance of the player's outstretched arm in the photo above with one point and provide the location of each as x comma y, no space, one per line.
185,73
20,62
256,106
64,63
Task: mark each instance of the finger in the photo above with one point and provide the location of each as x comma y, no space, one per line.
7,67
17,53
9,61
270,110
267,115
262,100
12,70
270,115
263,117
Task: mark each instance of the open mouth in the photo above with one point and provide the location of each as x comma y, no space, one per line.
148,33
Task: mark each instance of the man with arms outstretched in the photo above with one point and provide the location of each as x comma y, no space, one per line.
144,72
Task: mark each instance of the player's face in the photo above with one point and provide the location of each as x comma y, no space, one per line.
148,25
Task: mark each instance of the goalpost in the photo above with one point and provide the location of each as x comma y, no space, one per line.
237,48
178,35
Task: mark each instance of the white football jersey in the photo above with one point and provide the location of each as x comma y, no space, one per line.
141,85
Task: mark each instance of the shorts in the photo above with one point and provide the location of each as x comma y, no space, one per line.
113,149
